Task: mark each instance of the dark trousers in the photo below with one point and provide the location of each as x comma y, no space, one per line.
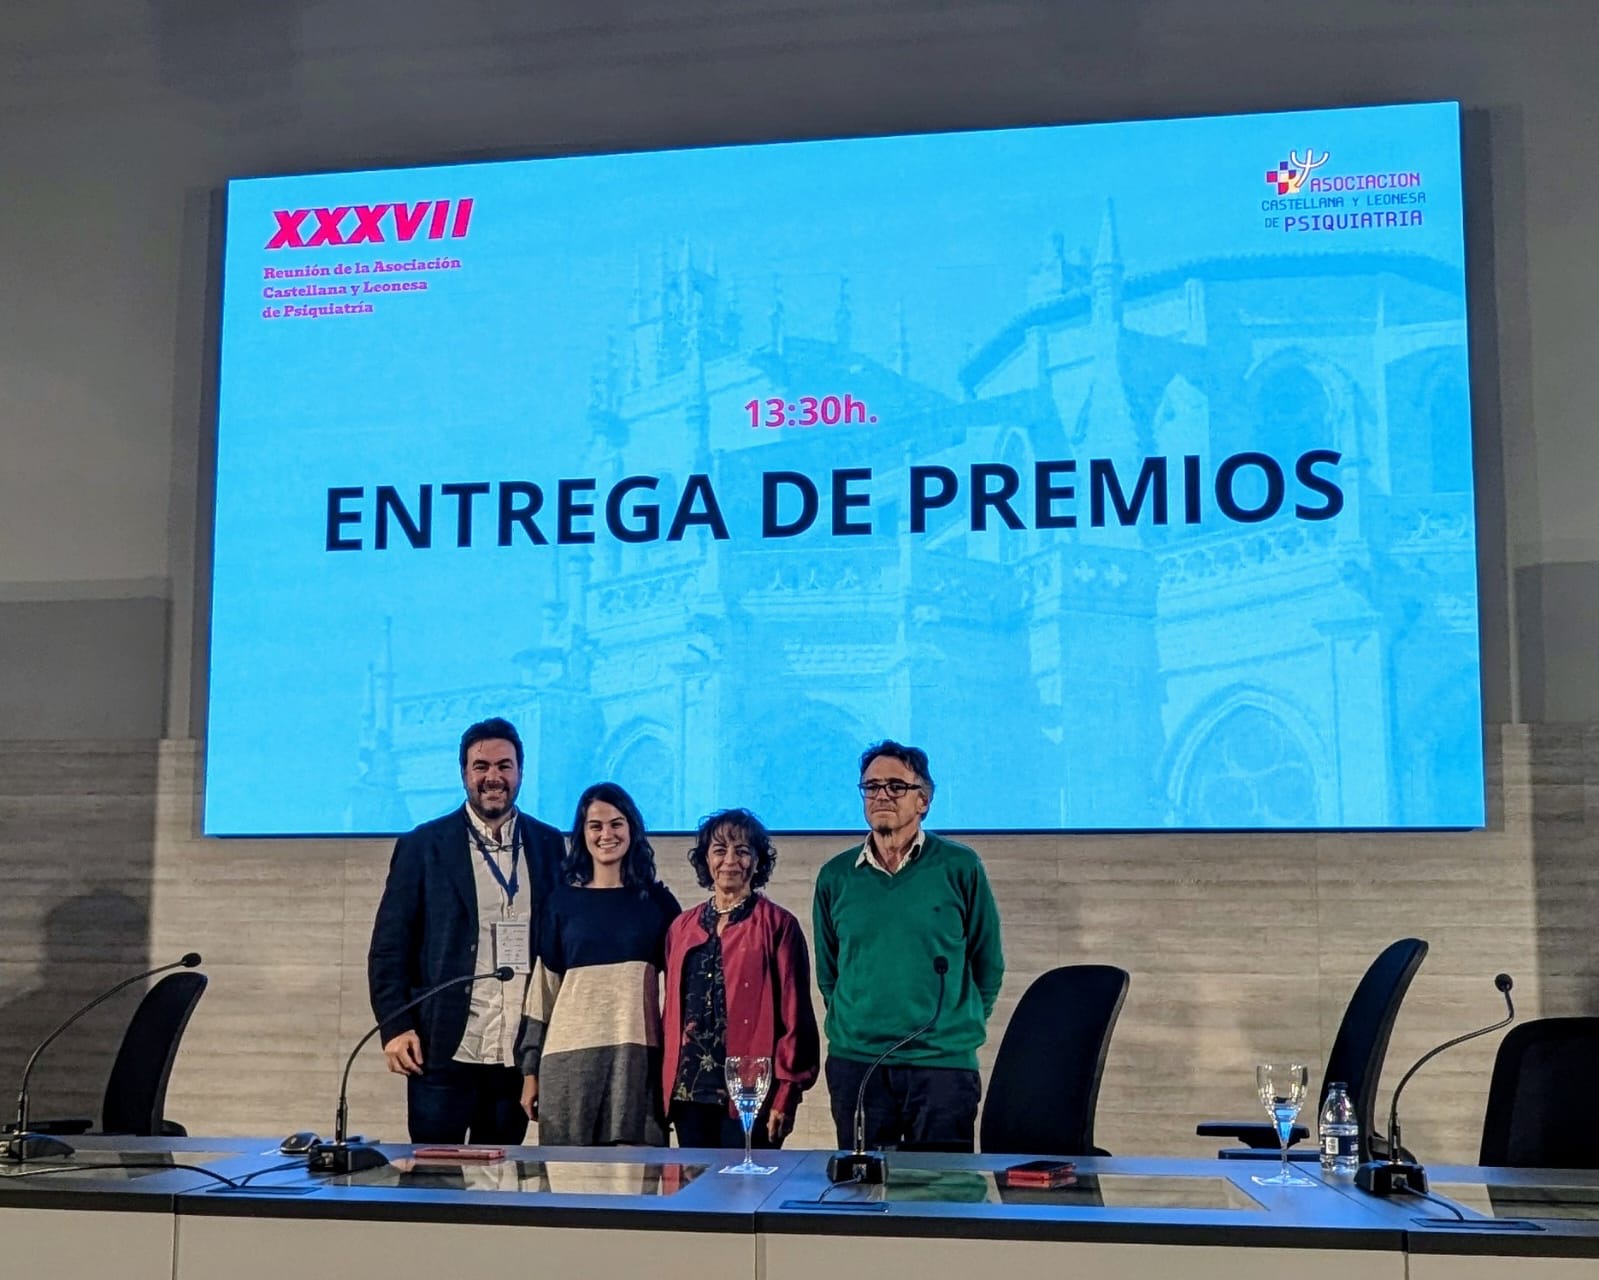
708,1124
457,1101
912,1108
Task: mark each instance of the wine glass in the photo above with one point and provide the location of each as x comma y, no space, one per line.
1281,1086
748,1079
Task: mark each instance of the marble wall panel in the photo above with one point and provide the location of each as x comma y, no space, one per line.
77,853
1240,947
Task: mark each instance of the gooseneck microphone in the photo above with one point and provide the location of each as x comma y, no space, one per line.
22,1145
351,1155
1396,1175
861,1165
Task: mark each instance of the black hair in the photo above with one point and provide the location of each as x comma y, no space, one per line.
913,758
487,730
733,821
638,867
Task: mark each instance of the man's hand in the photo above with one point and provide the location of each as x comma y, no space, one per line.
779,1126
404,1054
530,1097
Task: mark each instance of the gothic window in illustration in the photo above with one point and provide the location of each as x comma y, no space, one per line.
794,737
1426,399
1435,761
646,767
1249,770
1443,418
1291,406
1182,419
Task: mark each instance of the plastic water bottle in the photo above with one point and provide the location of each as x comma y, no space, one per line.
1339,1131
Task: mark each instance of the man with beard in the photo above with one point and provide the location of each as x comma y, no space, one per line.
884,912
461,897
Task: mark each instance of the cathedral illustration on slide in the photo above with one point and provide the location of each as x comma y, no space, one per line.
1248,661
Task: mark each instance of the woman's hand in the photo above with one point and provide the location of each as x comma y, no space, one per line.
530,1097
779,1126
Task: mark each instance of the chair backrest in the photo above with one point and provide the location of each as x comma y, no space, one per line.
136,1093
1045,1083
1361,1044
1540,1111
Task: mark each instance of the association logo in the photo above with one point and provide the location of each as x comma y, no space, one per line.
1290,174
1303,197
348,224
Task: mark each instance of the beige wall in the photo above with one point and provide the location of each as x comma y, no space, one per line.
1239,946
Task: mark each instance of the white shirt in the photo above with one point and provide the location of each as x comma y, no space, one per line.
495,1013
869,856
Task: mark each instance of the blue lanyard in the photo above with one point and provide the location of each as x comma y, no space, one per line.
493,863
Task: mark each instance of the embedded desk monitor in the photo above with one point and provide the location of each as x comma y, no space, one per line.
1126,468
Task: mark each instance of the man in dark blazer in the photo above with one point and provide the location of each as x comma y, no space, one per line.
461,896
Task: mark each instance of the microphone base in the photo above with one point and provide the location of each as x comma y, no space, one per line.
869,1167
345,1158
21,1147
1391,1177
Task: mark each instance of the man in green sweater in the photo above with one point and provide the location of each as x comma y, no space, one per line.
884,911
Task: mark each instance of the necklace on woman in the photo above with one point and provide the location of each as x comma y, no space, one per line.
727,911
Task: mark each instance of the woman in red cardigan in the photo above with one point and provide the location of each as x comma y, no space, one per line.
738,982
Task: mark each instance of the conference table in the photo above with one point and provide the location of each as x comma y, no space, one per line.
196,1208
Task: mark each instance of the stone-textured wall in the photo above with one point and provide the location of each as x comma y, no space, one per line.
1240,946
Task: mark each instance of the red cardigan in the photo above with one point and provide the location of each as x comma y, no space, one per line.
767,968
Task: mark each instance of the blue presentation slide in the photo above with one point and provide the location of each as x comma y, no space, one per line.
1125,468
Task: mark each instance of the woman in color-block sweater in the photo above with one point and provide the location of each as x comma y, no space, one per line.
589,1046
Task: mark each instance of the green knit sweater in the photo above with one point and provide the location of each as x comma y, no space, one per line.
876,937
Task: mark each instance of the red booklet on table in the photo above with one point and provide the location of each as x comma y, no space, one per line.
1047,1174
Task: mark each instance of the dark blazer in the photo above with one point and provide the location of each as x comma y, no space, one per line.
426,927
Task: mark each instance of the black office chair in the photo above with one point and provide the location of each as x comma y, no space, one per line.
136,1091
1356,1059
1045,1083
1540,1111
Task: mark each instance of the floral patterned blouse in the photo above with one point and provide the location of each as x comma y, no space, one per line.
700,1072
